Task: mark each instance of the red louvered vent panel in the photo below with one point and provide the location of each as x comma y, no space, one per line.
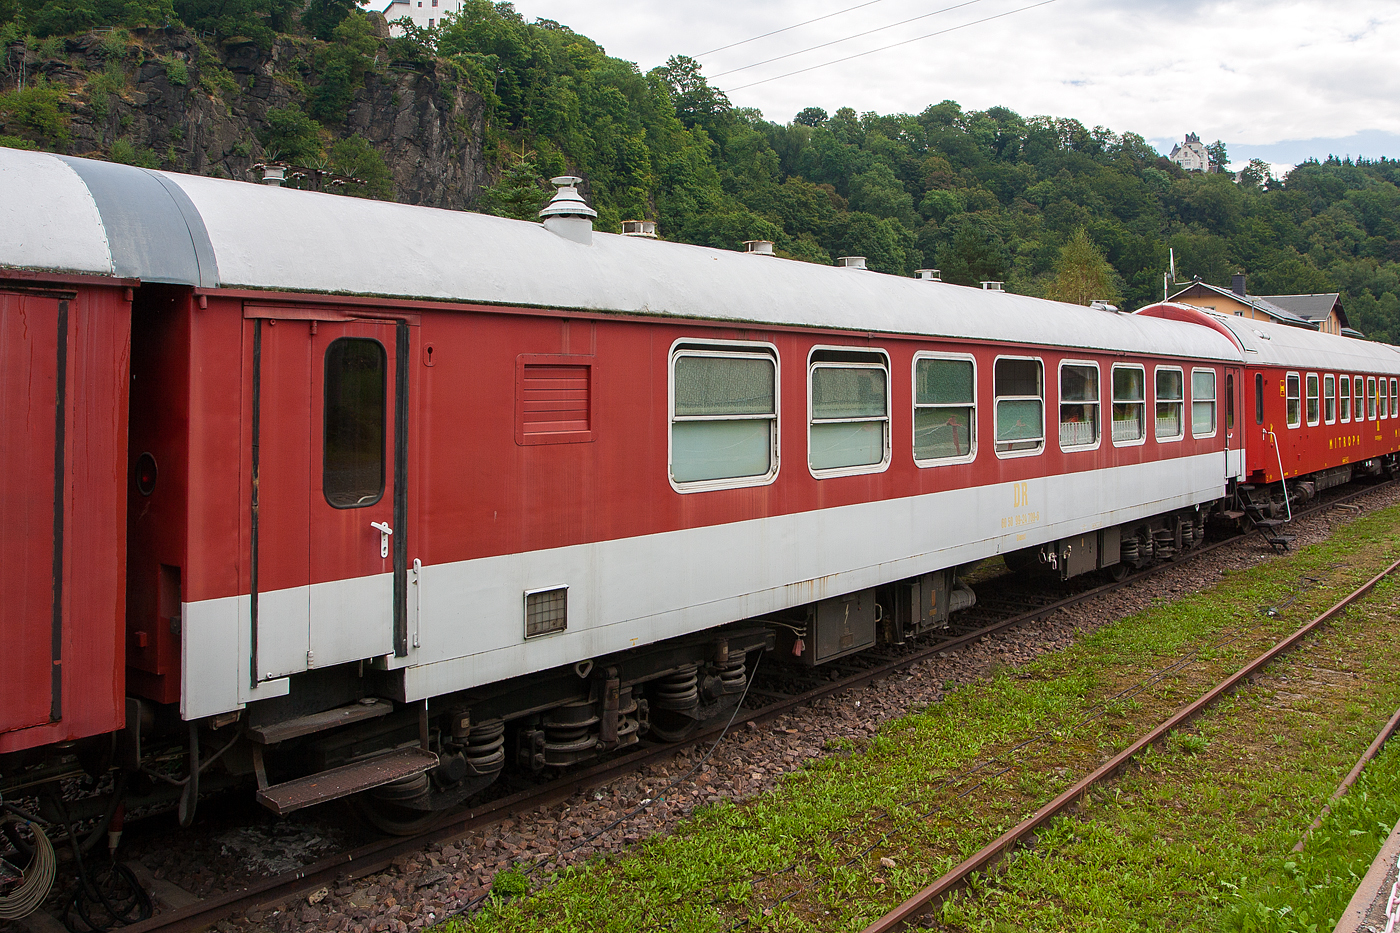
555,399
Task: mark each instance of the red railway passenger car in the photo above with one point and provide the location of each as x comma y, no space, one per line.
413,494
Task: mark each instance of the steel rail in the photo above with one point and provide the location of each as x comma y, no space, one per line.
990,854
1351,777
376,856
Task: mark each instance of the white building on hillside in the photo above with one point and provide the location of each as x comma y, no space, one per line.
1191,155
424,13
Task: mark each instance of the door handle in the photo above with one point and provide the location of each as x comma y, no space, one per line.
384,532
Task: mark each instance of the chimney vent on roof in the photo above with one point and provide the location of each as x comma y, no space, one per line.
273,173
931,275
641,228
850,262
1098,304
992,286
759,247
1237,283
567,214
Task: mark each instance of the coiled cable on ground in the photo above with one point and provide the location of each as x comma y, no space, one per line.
38,876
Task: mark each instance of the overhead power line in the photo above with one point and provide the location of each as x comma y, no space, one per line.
892,45
788,28
868,32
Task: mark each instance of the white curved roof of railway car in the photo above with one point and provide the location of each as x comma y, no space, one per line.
243,235
1275,344
48,219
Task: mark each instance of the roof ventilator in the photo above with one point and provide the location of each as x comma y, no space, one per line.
931,275
992,286
850,262
641,228
759,247
567,215
273,173
1098,304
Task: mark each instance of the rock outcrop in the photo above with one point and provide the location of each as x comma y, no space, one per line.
168,99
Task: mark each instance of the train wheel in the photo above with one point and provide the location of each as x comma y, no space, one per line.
393,819
670,726
1118,572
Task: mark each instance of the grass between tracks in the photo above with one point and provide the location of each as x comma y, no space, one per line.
1196,836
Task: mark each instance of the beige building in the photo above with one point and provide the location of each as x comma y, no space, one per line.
1316,312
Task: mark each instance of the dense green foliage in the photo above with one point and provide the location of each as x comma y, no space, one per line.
981,195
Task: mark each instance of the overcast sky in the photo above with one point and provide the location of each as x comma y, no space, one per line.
1279,80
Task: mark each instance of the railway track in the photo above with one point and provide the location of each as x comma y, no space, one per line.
763,704
987,857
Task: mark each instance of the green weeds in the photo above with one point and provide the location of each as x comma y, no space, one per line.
1195,834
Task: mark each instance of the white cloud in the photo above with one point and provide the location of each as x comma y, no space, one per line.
1247,71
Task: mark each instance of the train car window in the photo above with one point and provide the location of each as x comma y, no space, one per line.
945,409
724,417
1170,402
1329,398
1313,410
1079,406
1229,401
356,383
1344,396
849,428
1019,387
1293,397
1129,405
1370,398
1394,400
1358,412
1203,402
1258,398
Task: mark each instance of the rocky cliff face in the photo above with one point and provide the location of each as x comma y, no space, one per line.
166,99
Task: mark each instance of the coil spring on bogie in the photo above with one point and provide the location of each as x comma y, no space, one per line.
568,729
1164,544
679,690
1188,534
1129,551
486,746
628,725
733,676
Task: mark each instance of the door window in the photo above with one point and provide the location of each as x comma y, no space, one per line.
356,386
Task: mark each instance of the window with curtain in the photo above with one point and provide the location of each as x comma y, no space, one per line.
945,409
1079,405
1292,397
1344,396
1202,402
1329,398
1129,404
724,424
1019,388
1170,401
1313,410
849,427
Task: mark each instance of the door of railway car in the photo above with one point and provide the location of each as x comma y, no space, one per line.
330,568
1234,430
33,345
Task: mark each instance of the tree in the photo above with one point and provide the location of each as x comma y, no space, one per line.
354,156
520,193
1256,173
291,135
810,116
322,16
697,104
975,254
1218,156
1082,273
